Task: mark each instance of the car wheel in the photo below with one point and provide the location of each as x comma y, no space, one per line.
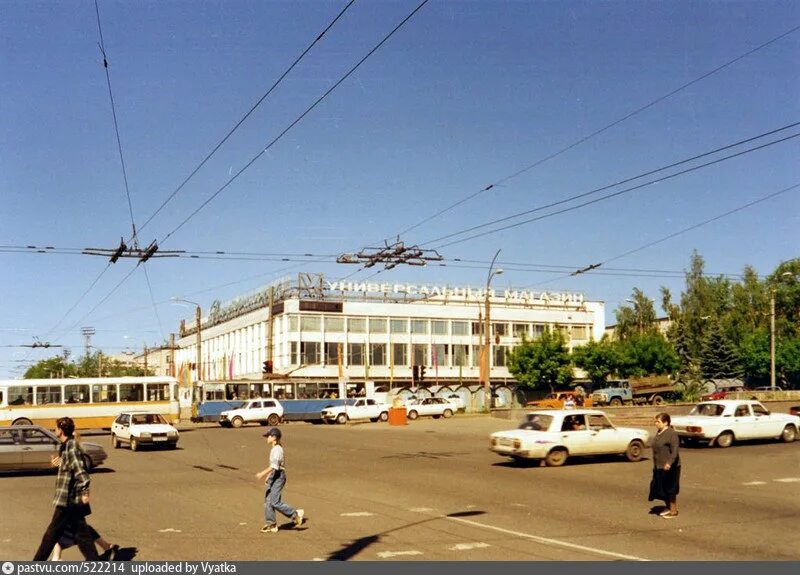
87,462
615,402
384,416
237,422
724,439
556,458
789,434
413,415
134,444
114,441
22,421
658,400
448,413
273,419
341,418
634,451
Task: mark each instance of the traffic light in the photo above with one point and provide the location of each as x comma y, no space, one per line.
267,367
422,373
415,373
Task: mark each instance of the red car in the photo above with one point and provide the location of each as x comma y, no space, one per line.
720,394
795,410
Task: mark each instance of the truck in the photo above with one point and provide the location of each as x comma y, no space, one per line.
653,390
355,409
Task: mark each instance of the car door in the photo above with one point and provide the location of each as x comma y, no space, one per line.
764,425
575,435
37,449
10,450
605,437
744,422
255,411
121,427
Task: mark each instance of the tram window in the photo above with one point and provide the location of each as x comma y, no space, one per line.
20,395
48,394
158,392
76,393
131,392
104,393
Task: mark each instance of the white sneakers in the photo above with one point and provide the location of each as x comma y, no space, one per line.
299,517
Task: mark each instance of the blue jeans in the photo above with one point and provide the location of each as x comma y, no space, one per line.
272,499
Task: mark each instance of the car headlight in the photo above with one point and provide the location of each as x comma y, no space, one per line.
172,434
145,434
494,441
517,444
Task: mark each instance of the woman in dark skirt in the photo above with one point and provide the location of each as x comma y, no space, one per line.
666,481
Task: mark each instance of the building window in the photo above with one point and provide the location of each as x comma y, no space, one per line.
419,326
500,355
332,353
295,356
399,354
357,325
580,332
334,324
310,323
439,327
460,328
460,355
520,329
293,324
356,354
420,354
309,352
440,354
377,354
477,328
499,329
399,325
563,330
377,325
538,330
476,355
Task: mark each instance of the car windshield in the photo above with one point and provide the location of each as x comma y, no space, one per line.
536,422
147,419
708,409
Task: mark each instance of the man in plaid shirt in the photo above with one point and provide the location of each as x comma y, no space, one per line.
72,496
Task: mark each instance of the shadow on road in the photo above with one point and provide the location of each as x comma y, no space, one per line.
126,553
349,551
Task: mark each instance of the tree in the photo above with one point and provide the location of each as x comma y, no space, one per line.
599,359
57,366
541,362
638,319
647,354
718,359
88,366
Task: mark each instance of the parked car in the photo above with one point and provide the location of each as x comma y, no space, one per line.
435,407
263,411
555,435
138,428
356,409
556,400
727,420
794,410
721,393
30,447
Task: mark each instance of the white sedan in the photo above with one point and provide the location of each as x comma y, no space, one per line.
263,411
553,435
138,428
435,407
727,420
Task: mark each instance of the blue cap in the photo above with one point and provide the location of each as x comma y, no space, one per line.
274,432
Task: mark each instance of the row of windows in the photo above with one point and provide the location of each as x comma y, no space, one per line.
403,355
84,393
339,324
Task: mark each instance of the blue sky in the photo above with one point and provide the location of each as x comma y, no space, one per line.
464,95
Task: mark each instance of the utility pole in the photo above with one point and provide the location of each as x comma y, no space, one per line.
172,354
145,359
197,318
100,364
87,333
485,352
772,338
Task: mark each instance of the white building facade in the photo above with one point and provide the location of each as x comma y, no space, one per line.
312,328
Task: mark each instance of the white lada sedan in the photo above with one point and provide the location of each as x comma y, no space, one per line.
138,428
553,435
724,421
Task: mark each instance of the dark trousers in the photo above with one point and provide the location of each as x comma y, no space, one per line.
65,518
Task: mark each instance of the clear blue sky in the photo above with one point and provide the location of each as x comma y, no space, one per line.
464,95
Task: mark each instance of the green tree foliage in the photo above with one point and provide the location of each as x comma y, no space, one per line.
87,366
638,318
599,359
647,354
56,366
718,359
541,362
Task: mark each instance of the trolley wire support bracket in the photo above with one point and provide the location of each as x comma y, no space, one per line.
123,251
391,255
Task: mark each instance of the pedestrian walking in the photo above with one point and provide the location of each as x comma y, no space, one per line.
274,477
68,539
666,481
71,499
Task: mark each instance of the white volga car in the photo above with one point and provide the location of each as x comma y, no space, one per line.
724,421
263,411
435,407
556,434
137,428
355,409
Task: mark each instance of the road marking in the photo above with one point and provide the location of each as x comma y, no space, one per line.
242,523
755,483
789,480
390,554
318,559
357,514
468,546
169,530
518,505
547,540
421,509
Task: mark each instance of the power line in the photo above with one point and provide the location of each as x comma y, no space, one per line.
249,112
601,198
598,132
297,120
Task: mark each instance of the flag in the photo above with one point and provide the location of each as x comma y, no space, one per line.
436,364
230,366
339,360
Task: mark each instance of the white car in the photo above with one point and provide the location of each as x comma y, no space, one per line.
138,428
436,407
356,409
263,411
556,434
727,420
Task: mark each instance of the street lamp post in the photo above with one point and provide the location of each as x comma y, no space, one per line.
197,318
485,371
772,330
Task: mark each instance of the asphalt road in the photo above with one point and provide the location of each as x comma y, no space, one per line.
428,491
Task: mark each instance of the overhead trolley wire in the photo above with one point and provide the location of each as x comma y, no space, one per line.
600,131
249,112
296,121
